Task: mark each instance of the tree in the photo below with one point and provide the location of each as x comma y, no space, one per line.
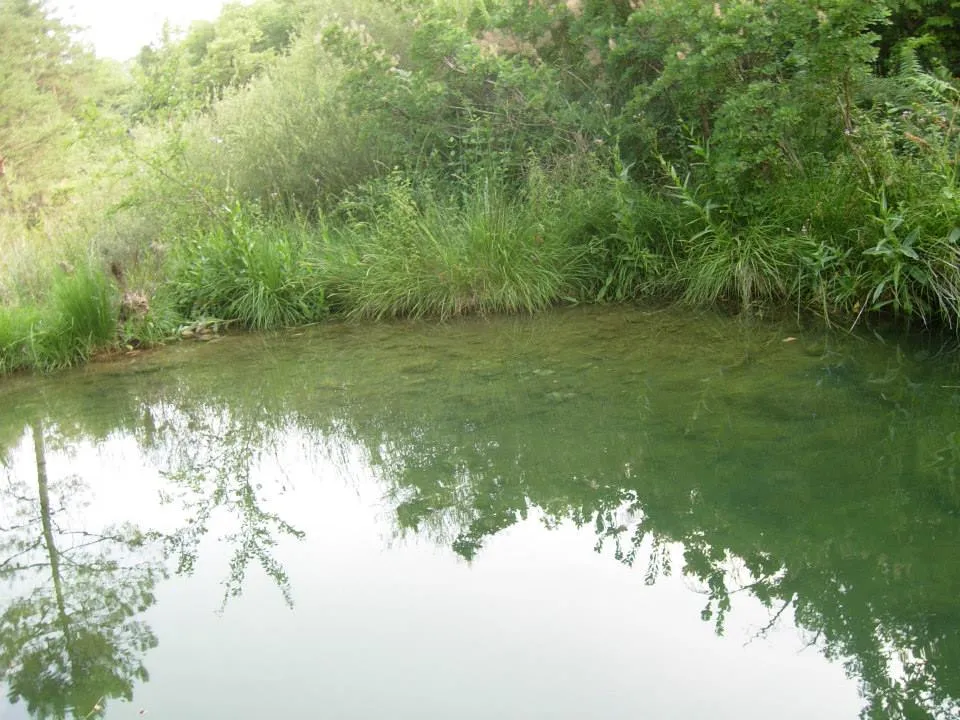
188,70
43,74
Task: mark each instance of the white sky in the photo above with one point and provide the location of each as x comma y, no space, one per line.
119,28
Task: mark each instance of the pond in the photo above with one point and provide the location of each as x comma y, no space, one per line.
591,513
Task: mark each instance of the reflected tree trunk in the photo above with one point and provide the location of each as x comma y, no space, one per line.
66,659
53,553
43,490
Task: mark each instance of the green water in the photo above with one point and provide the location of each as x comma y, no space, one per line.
587,514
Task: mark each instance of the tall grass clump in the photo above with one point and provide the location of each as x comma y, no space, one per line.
79,318
15,332
417,252
248,269
749,264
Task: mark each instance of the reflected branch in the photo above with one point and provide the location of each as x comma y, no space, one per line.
762,632
71,637
211,473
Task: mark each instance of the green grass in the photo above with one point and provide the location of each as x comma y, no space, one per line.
248,270
627,229
420,253
750,267
80,318
425,245
15,332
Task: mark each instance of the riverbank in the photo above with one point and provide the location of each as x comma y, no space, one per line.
435,159
406,252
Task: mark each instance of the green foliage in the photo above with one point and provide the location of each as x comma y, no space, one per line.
933,26
811,154
158,324
627,230
44,73
285,141
78,318
81,318
15,327
453,101
768,84
909,239
188,71
747,264
415,252
638,252
249,270
52,92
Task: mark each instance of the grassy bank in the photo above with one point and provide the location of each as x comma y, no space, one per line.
290,162
411,245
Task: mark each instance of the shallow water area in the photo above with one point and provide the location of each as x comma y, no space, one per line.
596,512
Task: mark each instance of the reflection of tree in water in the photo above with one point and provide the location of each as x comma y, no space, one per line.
210,458
835,493
862,601
70,633
860,547
70,637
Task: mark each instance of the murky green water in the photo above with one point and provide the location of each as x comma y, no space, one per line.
588,514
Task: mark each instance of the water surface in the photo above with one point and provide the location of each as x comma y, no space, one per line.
591,513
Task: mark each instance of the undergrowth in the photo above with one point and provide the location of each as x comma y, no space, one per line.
406,251
248,269
438,159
